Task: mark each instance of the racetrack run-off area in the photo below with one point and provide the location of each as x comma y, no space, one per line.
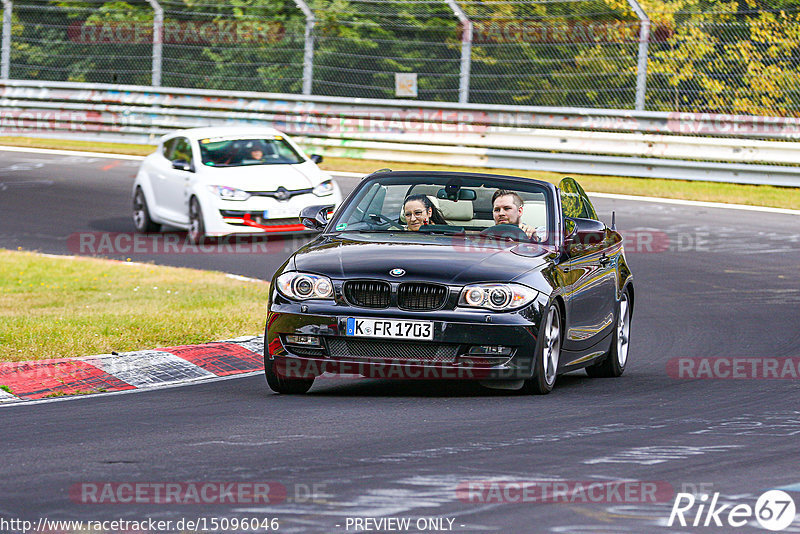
106,373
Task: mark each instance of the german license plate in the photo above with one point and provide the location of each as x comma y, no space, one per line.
389,328
280,212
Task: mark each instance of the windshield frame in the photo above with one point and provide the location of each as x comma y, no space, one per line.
409,177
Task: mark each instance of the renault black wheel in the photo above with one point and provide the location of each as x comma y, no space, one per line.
197,228
141,214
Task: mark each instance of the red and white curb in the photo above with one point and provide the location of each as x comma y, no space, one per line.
32,380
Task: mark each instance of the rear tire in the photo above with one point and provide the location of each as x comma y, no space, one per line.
281,384
617,357
197,227
141,214
548,353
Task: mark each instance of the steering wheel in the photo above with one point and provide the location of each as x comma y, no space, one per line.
381,218
507,231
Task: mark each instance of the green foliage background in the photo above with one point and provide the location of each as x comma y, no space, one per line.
736,56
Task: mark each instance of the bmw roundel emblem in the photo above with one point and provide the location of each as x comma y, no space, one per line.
397,272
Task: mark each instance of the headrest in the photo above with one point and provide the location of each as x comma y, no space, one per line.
453,211
534,213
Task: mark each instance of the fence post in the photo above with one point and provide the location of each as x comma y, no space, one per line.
5,47
466,51
308,52
644,43
158,40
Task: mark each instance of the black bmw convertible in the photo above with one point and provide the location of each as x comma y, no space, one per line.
506,280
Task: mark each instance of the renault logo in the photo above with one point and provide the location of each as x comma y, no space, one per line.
282,194
397,272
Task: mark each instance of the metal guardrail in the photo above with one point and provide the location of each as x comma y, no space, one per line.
737,149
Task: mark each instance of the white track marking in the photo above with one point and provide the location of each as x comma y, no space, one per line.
346,174
145,369
129,391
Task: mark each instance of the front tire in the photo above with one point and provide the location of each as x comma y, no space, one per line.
617,358
141,214
548,353
197,227
281,384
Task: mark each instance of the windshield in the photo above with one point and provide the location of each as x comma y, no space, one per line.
498,208
241,152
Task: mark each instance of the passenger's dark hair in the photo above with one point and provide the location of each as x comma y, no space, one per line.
518,202
436,215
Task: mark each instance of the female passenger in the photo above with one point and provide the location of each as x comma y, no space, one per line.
419,210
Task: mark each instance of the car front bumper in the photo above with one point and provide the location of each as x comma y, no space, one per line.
457,350
226,217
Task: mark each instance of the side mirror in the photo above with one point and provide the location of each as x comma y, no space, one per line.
315,217
181,165
583,232
316,158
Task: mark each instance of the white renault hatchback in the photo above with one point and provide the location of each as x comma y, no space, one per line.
230,180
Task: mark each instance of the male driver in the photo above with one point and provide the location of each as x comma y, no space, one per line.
255,153
507,209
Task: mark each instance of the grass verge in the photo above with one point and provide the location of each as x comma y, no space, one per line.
53,307
75,144
754,195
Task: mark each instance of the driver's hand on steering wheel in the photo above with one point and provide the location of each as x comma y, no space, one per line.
530,231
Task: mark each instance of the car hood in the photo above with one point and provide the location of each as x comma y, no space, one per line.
266,177
436,258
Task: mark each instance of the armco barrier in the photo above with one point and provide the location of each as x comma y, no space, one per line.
738,149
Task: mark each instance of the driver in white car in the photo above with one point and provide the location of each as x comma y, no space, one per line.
255,153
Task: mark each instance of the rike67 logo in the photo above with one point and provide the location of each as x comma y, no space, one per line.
774,510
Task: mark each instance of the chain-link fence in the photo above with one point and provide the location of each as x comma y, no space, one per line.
361,44
554,53
231,45
740,57
100,42
732,56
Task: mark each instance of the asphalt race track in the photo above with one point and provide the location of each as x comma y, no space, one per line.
716,297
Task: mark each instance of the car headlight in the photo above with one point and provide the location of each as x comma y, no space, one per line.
304,286
228,193
324,189
498,297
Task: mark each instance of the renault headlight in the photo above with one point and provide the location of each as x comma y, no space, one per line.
228,193
304,286
324,189
498,297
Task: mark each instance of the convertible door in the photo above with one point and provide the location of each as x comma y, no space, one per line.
591,271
